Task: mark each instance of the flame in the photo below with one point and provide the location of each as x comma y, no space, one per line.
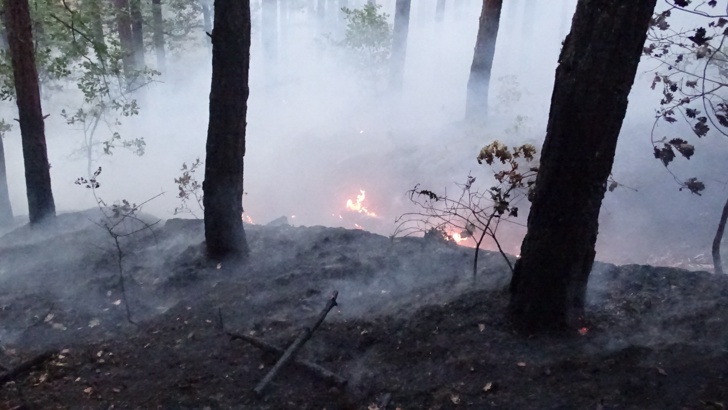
357,206
583,331
457,238
248,219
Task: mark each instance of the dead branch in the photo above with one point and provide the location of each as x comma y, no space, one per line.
323,373
26,366
290,353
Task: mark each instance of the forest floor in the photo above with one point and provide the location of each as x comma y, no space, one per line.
412,330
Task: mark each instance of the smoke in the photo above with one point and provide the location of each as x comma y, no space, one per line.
319,132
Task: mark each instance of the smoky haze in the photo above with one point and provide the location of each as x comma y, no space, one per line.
319,133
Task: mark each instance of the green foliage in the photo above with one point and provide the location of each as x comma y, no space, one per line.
189,188
367,40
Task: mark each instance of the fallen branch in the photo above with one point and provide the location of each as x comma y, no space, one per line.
26,366
323,373
290,353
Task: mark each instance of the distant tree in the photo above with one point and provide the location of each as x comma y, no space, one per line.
717,263
476,107
440,11
137,31
6,210
223,184
207,20
41,206
269,31
158,35
126,41
548,287
399,43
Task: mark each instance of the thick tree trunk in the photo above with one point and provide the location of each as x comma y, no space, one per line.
476,107
158,35
30,115
137,32
6,210
440,11
717,263
223,185
596,70
399,44
207,20
126,41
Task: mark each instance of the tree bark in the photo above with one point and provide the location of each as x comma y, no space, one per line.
476,107
41,206
158,35
596,70
399,44
223,185
439,11
717,263
6,210
137,31
97,28
126,42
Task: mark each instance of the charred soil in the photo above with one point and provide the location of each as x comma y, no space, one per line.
412,330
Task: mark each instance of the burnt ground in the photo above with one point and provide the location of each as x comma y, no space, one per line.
412,324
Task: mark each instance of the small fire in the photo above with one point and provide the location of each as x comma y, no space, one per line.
247,219
457,238
357,206
583,331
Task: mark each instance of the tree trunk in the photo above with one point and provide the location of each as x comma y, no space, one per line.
596,70
717,263
97,27
207,21
126,42
158,35
476,107
30,115
137,22
6,210
440,11
399,44
223,185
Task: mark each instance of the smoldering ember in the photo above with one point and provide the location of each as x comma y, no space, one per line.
363,204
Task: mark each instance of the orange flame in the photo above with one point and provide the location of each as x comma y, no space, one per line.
357,206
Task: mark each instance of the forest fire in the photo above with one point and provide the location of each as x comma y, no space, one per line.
358,206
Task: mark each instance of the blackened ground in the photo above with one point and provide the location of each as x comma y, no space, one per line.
412,322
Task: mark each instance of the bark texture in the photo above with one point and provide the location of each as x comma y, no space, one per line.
223,185
399,44
596,70
158,35
476,107
6,210
41,206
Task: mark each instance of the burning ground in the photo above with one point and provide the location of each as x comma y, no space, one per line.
412,330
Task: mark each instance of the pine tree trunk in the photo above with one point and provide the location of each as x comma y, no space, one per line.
399,44
158,35
440,11
126,42
223,185
30,115
6,210
137,31
476,107
97,28
596,70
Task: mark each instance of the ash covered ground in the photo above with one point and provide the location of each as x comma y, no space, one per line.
413,328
